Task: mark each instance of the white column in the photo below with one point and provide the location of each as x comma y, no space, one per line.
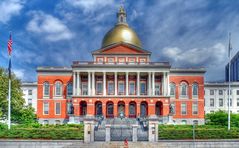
116,84
93,83
127,83
149,83
138,81
89,88
79,85
153,83
164,81
168,84
74,83
104,83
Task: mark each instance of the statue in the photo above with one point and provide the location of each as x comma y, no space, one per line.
171,109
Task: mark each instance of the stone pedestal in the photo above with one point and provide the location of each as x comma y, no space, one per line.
135,133
89,125
170,119
153,129
107,133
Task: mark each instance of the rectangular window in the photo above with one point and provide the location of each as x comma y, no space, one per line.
99,88
173,108
84,89
183,108
238,92
121,88
131,88
237,101
110,88
29,102
45,108
211,92
195,108
58,108
142,88
157,89
212,102
220,92
220,102
29,92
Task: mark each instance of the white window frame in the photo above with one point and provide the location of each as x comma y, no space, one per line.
157,89
101,83
132,82
55,89
44,107
186,91
113,87
145,90
121,93
174,86
195,108
56,108
182,113
84,86
221,99
44,95
195,96
210,102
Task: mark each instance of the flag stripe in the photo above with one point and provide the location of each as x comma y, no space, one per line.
9,45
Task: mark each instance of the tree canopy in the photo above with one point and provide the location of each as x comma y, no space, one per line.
19,112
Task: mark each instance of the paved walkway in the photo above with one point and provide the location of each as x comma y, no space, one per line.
79,144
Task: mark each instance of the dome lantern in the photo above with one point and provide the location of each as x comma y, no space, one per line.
121,32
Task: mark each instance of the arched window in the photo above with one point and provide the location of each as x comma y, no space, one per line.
69,89
58,88
46,89
172,89
195,89
184,122
183,89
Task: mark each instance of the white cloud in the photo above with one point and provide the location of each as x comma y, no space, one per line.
19,73
10,8
210,56
52,28
90,5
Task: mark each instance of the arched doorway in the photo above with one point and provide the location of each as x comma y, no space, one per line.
143,109
98,108
110,109
132,110
121,108
159,108
83,108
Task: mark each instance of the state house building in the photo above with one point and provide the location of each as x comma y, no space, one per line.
120,81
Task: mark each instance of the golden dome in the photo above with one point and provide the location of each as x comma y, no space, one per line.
121,33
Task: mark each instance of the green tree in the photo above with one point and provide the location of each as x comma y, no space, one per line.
18,111
221,118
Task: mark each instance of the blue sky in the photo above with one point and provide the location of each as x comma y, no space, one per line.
54,33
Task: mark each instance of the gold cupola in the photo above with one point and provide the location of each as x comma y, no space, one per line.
121,32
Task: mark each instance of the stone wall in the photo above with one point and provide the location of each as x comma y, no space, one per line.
78,143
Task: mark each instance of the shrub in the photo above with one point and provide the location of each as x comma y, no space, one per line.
37,131
201,132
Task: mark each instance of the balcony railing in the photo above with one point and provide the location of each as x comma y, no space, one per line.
120,63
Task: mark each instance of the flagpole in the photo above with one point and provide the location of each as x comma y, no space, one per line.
229,84
9,99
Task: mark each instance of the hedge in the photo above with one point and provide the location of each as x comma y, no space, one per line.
60,132
201,132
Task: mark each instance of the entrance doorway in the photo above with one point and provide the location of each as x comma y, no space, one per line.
121,108
98,108
83,108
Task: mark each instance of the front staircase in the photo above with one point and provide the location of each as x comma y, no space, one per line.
121,129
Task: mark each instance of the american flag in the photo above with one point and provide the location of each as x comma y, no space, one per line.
9,45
